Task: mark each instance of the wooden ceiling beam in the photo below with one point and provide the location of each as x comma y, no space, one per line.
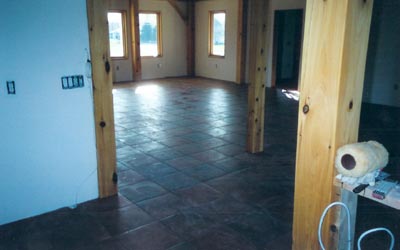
175,5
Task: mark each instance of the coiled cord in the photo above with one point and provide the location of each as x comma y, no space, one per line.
321,221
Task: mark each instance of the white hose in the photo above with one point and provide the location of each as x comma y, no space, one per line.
321,221
376,230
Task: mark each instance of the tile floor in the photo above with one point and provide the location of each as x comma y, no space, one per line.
186,181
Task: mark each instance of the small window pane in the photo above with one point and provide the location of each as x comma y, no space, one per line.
116,34
218,34
149,37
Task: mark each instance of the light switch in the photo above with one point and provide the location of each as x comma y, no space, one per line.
11,87
72,82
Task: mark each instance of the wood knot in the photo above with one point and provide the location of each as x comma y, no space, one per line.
306,109
351,105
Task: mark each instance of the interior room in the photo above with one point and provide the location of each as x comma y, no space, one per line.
196,124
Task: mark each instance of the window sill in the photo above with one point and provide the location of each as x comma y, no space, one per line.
216,56
150,57
119,58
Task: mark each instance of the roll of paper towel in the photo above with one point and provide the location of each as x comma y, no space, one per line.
358,159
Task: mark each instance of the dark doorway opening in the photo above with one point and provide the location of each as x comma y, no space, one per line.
288,34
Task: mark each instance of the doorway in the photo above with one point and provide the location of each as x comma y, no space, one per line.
288,29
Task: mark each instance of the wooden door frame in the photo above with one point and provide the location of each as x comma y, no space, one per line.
275,47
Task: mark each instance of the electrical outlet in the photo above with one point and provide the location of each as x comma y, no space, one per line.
159,65
11,87
72,82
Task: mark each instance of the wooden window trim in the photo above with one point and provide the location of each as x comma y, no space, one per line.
159,33
124,33
211,13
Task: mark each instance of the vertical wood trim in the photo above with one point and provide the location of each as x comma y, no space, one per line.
136,59
241,41
350,199
334,57
252,41
102,96
190,38
301,48
256,96
275,31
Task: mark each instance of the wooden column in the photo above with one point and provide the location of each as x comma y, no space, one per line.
334,56
257,70
190,38
136,61
102,96
241,41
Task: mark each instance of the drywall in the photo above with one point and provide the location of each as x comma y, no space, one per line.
212,67
173,60
382,75
47,149
122,68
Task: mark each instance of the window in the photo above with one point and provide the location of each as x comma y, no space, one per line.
150,34
117,33
217,34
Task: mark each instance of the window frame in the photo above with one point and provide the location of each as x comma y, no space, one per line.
211,14
124,34
159,33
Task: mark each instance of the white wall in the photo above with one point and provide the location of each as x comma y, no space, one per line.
47,147
122,68
211,67
382,71
173,60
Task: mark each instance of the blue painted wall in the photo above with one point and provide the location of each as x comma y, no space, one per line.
47,140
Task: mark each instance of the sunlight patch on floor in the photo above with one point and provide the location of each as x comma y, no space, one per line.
291,94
